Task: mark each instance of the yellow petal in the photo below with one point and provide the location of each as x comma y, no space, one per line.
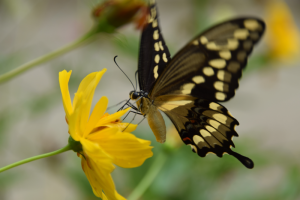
112,117
130,127
96,115
126,150
118,196
87,87
64,78
100,180
97,154
97,165
74,120
103,133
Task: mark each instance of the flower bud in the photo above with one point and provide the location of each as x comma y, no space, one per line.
113,14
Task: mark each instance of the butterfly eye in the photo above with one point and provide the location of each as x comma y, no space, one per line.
133,95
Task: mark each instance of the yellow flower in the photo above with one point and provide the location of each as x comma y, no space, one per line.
99,139
283,34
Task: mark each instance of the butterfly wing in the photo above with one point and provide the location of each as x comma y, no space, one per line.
204,72
206,126
153,53
210,66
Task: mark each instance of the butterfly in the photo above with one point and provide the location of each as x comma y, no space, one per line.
189,86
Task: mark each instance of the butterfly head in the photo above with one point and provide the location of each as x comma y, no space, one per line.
135,95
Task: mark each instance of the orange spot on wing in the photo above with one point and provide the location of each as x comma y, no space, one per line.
185,139
193,121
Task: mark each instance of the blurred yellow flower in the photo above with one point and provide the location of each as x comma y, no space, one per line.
99,139
282,34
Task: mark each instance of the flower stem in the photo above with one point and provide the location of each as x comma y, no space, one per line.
149,177
66,148
83,40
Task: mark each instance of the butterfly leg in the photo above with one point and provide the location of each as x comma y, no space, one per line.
132,112
134,115
124,105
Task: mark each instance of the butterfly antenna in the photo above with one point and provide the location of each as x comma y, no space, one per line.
136,79
110,107
124,73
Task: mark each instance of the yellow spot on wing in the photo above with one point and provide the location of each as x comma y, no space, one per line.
216,133
214,123
218,63
220,96
170,105
208,71
241,34
197,139
155,71
187,88
224,76
195,42
214,106
213,46
153,13
154,23
161,46
225,54
155,35
203,40
156,46
232,44
205,133
220,117
157,58
165,57
198,79
221,86
252,24
152,2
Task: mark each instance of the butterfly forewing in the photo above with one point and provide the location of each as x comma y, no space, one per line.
211,64
154,53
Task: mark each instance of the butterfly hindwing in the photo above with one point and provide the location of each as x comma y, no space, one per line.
206,126
211,64
153,53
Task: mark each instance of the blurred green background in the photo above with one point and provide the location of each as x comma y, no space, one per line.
32,118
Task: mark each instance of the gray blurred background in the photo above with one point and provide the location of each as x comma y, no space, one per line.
32,118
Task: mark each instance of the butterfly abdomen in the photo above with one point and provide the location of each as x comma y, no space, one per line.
155,119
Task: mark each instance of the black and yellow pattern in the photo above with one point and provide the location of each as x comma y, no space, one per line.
188,87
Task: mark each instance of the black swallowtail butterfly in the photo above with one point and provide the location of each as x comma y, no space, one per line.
188,87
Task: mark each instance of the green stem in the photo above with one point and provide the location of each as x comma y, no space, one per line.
66,148
83,40
149,177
